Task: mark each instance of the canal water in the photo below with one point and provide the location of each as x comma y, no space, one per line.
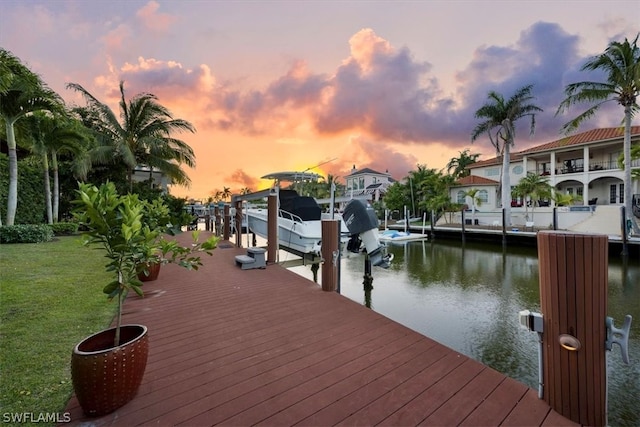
467,297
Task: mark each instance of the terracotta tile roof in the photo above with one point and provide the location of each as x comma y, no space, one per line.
594,135
475,180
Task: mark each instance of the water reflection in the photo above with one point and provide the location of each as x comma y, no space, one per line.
467,297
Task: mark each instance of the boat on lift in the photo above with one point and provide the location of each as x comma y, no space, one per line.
299,217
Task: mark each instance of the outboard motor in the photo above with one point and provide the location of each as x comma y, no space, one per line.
361,220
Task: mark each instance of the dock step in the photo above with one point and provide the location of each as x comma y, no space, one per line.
255,258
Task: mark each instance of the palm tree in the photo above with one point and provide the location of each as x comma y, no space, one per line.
621,64
459,164
534,187
226,193
52,136
564,199
500,121
142,139
21,93
475,201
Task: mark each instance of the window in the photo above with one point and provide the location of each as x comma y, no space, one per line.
580,191
460,197
621,193
492,172
483,196
613,160
612,193
362,183
517,170
546,169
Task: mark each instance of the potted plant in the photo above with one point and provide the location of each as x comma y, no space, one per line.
156,223
107,367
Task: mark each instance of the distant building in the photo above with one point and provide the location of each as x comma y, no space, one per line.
367,182
160,180
584,164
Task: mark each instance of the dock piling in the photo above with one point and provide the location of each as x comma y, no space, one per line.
330,250
573,297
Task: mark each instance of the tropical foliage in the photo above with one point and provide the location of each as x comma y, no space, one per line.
21,92
458,166
129,231
620,63
143,138
499,117
534,188
49,137
425,189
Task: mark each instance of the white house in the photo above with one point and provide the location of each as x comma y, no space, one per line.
367,181
584,164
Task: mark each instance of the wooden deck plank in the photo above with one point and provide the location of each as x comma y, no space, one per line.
456,409
244,347
496,407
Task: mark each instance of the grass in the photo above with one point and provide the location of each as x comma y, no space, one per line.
50,299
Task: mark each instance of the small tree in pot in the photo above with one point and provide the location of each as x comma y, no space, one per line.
107,367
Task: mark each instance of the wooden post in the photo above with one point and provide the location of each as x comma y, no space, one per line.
330,241
238,223
463,228
272,228
227,223
573,299
216,213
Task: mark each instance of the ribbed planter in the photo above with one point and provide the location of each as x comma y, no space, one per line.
154,271
107,377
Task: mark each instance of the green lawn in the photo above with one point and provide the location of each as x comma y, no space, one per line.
50,298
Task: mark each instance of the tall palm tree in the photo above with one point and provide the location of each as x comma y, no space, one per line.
21,93
621,64
459,164
51,136
500,116
143,138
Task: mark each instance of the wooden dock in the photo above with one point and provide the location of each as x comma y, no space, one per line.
266,346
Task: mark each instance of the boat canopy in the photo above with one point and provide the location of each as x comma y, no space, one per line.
303,206
292,176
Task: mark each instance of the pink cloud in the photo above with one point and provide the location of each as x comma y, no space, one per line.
152,20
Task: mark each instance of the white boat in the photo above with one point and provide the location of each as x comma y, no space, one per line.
400,236
299,218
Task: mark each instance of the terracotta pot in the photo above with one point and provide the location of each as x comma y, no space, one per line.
107,377
154,271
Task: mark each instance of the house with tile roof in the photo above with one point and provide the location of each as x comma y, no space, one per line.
367,181
584,164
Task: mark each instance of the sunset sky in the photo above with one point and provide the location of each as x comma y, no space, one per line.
287,85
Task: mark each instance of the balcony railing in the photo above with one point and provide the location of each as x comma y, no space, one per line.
593,166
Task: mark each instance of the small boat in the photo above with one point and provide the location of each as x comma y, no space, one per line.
400,236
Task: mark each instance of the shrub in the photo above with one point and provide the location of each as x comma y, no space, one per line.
31,207
26,233
64,228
